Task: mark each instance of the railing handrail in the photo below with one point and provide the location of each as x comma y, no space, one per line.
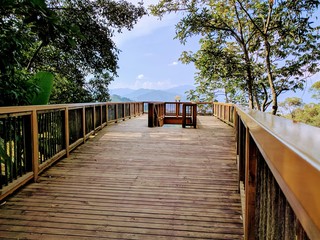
45,133
298,144
291,151
274,135
17,109
289,132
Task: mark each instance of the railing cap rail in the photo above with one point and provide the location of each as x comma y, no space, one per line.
292,153
29,108
301,138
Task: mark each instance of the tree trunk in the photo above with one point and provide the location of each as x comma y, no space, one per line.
226,96
265,100
256,99
249,77
270,77
35,55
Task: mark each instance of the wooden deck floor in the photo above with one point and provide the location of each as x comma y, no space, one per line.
135,182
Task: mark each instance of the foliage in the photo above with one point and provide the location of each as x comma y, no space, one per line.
97,86
300,112
17,90
291,104
71,39
285,29
117,98
309,114
315,89
216,22
66,91
220,71
274,47
44,80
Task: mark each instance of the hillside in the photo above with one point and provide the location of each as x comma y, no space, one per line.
167,95
117,98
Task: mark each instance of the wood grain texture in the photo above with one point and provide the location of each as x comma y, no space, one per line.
135,182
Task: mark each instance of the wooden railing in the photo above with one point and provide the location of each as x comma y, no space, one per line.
278,160
156,114
279,164
184,113
189,115
34,137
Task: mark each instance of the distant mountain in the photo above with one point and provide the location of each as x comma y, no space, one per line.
181,90
135,95
156,95
117,98
142,94
121,91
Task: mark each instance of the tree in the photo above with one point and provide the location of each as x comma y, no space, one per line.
219,68
98,87
69,38
309,114
291,104
18,29
300,112
285,29
265,32
315,89
66,91
219,21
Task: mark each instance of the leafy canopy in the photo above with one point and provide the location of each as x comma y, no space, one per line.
70,38
276,43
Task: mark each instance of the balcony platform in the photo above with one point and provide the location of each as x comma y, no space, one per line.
135,182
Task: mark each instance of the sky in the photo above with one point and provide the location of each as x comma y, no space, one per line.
149,57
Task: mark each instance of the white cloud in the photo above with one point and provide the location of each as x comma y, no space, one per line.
154,85
140,76
143,83
173,64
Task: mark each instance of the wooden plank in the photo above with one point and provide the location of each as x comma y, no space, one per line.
135,182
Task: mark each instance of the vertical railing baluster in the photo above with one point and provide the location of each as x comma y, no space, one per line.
51,133
7,160
66,131
14,149
11,136
54,129
101,113
84,124
123,111
35,146
151,115
107,113
250,186
46,124
116,112
18,147
94,117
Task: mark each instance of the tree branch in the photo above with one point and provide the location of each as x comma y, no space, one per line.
35,55
269,17
251,19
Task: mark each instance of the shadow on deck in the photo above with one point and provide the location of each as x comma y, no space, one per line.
135,182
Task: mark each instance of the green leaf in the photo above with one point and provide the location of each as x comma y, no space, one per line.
44,80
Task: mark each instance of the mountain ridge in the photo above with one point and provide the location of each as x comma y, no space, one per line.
142,94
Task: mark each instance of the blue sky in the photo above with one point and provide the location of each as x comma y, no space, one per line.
149,57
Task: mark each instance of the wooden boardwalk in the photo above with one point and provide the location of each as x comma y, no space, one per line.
135,182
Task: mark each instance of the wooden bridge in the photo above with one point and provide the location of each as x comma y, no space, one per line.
129,181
